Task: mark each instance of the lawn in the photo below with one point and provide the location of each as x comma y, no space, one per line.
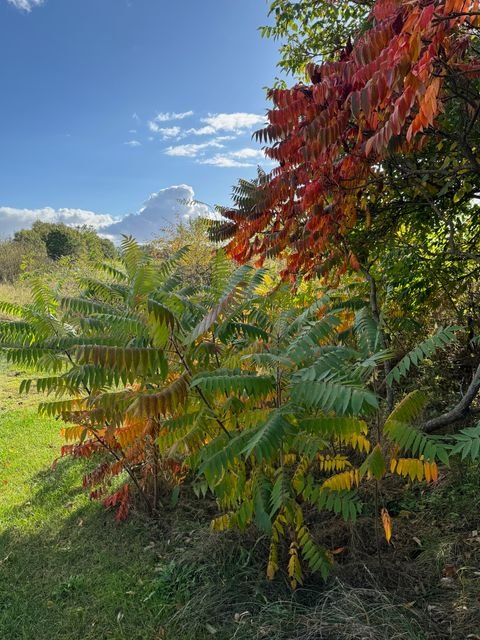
66,568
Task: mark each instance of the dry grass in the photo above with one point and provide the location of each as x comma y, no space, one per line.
18,293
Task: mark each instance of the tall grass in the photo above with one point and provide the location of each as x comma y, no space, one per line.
19,292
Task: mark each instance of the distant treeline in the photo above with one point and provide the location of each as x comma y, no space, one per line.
44,243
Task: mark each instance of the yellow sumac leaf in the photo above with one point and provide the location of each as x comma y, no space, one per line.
431,471
342,481
221,523
333,463
387,524
72,433
360,442
428,475
289,459
272,566
414,468
294,567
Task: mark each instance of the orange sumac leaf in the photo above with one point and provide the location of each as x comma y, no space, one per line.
387,524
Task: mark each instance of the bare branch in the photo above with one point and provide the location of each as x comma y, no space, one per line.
460,410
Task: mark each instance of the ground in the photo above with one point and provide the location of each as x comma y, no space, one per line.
68,570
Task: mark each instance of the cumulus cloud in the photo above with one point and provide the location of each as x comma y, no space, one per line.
192,150
241,158
12,219
235,122
133,143
26,5
161,210
167,132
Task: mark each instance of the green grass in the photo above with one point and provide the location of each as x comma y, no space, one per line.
67,570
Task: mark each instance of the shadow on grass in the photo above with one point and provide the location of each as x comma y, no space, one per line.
67,570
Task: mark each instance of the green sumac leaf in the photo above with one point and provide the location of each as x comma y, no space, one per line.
374,464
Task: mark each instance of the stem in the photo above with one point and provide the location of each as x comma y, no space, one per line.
199,391
127,467
376,315
278,398
377,514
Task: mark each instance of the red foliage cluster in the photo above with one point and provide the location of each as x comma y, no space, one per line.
120,500
329,137
128,448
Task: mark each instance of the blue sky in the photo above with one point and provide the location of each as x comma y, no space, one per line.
105,102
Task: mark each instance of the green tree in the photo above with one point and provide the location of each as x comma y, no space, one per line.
59,243
313,30
61,240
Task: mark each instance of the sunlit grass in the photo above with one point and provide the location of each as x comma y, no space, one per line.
19,293
67,570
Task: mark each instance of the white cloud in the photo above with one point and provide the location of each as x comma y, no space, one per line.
166,117
248,153
155,124
192,150
241,158
225,162
216,123
12,219
26,5
159,211
234,122
133,143
202,131
165,132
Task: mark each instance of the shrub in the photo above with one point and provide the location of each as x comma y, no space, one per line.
262,397
16,256
11,256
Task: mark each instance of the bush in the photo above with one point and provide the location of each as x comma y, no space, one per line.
11,256
15,257
196,266
264,395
